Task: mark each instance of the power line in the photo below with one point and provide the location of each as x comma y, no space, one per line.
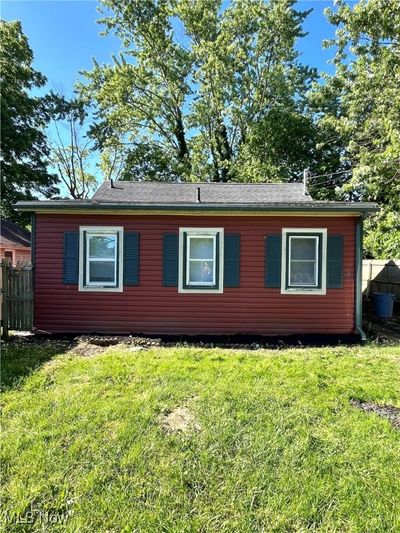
329,174
328,181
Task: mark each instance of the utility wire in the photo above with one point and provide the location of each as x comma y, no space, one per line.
329,174
324,182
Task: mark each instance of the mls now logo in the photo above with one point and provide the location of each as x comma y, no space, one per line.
37,516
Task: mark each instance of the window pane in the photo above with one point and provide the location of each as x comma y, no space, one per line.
102,246
201,272
303,248
101,271
302,273
201,248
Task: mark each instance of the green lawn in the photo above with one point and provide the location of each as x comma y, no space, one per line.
280,447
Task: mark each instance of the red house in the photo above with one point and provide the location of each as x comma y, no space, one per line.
198,259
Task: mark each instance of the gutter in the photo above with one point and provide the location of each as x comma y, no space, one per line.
358,269
90,206
33,262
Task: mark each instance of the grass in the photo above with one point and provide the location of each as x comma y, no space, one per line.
280,447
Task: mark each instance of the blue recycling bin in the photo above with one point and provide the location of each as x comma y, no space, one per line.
383,304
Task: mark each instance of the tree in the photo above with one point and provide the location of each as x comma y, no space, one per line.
142,100
251,108
361,103
71,151
202,92
24,149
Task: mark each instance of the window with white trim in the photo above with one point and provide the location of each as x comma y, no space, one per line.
304,261
201,260
100,258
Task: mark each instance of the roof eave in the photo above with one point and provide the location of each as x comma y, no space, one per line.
283,206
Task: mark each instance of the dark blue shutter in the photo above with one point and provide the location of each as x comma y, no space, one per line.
131,259
170,260
71,258
335,262
273,254
231,260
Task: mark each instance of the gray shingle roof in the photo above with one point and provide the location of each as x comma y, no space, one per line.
159,196
15,234
159,193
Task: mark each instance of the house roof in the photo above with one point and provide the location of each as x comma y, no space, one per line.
161,196
157,193
10,233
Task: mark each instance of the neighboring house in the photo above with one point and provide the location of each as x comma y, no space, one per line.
207,259
15,243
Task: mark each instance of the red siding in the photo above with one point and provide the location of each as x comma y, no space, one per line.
151,308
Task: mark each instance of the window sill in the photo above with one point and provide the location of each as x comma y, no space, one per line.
302,291
197,290
100,289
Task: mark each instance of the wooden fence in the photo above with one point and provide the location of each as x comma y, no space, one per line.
16,297
381,276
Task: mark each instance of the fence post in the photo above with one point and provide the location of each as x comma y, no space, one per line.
369,280
4,279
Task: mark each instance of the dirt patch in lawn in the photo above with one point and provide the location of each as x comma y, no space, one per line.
179,420
87,349
386,411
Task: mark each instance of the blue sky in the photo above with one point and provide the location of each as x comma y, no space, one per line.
64,36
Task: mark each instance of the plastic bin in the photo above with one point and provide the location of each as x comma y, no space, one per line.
383,304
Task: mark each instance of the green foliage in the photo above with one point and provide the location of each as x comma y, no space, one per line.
382,235
24,148
280,447
361,103
112,160
201,91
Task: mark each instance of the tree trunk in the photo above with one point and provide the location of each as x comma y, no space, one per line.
183,150
223,149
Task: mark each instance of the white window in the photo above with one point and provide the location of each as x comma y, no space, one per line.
201,260
304,261
100,258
